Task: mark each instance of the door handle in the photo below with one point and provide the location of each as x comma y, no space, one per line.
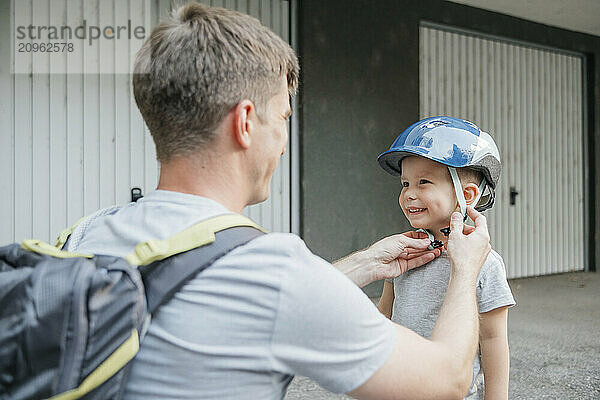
136,194
513,195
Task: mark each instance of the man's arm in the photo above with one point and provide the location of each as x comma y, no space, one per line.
442,366
495,358
387,258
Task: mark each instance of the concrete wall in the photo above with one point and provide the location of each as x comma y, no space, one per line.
360,74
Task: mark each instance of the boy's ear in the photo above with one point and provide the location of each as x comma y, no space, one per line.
470,191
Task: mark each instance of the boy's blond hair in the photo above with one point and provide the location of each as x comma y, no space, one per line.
469,175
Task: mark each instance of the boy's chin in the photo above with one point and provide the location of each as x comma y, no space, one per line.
416,225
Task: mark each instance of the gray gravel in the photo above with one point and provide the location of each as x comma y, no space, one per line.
554,334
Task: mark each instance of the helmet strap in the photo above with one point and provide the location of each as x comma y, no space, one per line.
434,243
482,186
459,191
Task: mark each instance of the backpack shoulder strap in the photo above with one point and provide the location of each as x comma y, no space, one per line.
166,265
37,246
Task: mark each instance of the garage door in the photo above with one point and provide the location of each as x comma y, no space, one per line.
74,142
531,101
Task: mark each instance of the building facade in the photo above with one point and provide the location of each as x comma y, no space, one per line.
73,142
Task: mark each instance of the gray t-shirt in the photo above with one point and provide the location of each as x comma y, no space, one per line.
242,328
419,294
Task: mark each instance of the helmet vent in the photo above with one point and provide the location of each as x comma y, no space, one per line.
434,124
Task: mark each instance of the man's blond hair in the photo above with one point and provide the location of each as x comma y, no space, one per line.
195,67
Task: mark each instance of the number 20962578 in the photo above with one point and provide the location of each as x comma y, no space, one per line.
45,47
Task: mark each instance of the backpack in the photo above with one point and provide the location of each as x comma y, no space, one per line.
70,323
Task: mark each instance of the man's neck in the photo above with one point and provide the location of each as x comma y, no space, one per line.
205,177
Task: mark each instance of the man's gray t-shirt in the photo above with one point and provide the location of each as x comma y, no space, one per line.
419,294
242,328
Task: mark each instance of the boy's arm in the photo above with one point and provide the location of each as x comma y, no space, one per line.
387,300
493,343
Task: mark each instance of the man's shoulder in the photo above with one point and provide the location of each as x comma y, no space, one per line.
280,250
286,257
277,243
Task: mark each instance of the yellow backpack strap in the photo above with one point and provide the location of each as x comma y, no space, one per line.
109,367
63,236
195,236
37,246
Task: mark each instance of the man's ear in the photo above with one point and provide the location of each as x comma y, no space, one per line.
244,114
470,191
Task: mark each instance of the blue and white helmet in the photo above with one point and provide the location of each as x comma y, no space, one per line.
454,142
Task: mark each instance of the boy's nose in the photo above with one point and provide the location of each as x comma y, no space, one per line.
409,194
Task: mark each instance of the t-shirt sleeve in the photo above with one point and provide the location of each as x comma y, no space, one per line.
493,290
326,328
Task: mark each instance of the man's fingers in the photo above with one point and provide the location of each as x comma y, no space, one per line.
456,223
480,221
405,242
468,229
416,244
415,253
415,235
476,216
420,260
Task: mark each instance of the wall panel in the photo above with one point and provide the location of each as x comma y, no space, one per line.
73,139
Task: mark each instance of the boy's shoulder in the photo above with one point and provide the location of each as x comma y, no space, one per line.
494,258
493,268
493,290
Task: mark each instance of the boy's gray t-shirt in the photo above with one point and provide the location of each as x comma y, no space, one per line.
242,328
419,294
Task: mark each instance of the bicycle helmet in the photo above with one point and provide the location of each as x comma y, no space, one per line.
454,142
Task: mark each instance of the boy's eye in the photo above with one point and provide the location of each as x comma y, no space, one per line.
422,181
404,184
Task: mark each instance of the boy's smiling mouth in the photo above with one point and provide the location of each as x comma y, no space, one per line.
415,210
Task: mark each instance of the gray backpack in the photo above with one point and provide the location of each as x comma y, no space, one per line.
71,323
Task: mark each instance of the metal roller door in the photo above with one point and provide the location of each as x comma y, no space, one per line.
531,101
74,142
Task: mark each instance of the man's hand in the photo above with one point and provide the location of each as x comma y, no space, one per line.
394,255
388,258
468,246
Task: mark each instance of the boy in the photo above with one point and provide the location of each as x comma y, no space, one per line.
445,164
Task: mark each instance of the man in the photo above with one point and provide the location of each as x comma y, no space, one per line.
213,87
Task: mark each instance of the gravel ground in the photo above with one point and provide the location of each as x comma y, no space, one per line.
554,335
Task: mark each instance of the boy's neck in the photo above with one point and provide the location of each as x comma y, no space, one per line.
439,236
